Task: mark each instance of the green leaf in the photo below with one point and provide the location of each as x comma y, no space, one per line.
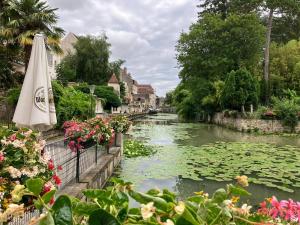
62,211
219,196
197,199
84,208
101,217
94,193
145,198
237,190
187,215
48,196
38,204
47,220
122,215
35,186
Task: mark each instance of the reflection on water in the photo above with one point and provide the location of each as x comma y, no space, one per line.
166,168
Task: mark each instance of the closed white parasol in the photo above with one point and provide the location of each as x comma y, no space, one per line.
35,108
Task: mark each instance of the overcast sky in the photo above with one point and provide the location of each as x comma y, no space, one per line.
142,32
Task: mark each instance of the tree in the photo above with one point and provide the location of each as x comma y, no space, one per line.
115,67
286,28
22,19
66,70
213,46
90,63
278,7
122,91
275,10
169,100
226,7
240,90
285,68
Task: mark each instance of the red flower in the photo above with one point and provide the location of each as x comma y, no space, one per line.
51,165
56,179
51,201
46,188
59,168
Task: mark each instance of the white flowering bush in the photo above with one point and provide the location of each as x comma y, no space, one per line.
120,123
22,158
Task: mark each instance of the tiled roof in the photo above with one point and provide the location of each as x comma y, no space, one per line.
113,80
145,89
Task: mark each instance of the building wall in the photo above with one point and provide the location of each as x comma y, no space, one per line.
116,87
67,45
152,101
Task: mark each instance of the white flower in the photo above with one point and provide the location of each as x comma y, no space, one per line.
245,209
179,209
28,133
148,210
15,210
168,222
14,173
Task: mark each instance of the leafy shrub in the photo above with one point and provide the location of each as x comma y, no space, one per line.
104,92
13,96
287,110
83,87
107,93
72,104
58,90
261,112
133,148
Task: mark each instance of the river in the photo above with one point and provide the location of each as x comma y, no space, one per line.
191,157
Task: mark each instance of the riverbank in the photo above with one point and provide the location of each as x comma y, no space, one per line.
252,125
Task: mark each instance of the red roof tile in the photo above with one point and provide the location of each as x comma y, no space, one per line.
113,79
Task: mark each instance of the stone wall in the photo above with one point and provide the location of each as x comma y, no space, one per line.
241,124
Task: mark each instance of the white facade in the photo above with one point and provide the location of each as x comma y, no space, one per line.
67,46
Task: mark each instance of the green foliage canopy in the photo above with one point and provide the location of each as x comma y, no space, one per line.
240,90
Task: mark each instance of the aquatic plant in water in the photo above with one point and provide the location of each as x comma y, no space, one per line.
265,164
133,148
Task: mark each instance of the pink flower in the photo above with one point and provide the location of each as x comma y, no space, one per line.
72,146
289,209
13,137
263,208
2,158
276,209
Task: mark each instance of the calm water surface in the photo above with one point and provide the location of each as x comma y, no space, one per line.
163,170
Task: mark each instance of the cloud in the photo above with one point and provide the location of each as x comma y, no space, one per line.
142,32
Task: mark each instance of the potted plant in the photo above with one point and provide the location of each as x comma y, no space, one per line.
121,125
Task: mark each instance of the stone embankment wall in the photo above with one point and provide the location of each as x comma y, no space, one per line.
241,124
